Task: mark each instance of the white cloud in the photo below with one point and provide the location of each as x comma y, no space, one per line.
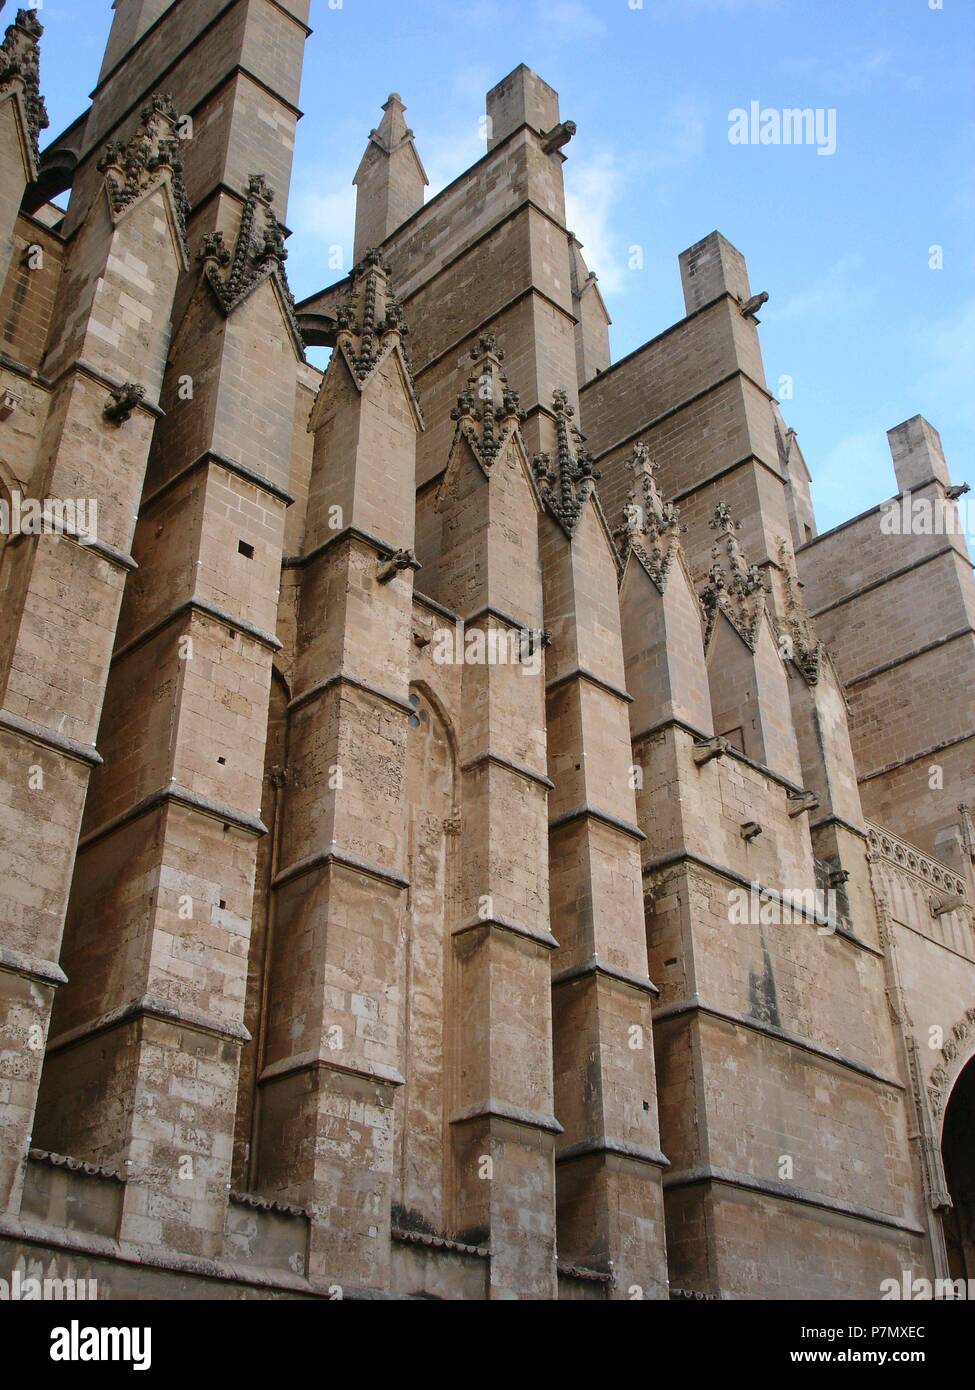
679,138
838,291
855,70
447,152
853,476
690,9
947,347
322,215
569,19
592,188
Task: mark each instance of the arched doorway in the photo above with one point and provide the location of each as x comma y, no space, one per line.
958,1153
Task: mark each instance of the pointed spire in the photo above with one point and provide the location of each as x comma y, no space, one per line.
652,527
390,179
567,485
393,130
734,586
488,413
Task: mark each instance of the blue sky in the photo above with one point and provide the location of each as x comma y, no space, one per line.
867,330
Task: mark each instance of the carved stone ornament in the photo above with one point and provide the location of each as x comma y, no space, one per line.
488,413
259,254
953,1051
807,650
371,330
566,484
651,529
734,587
134,168
20,62
125,399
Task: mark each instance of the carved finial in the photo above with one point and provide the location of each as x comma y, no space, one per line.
259,253
806,647
733,586
567,486
214,249
20,61
486,346
723,520
369,316
488,412
651,527
371,324
132,169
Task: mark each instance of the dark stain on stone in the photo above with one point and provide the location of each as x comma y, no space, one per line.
761,992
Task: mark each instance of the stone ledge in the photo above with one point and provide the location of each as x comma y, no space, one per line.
46,972
896,661
769,1030
603,1145
586,812
211,458
148,1006
205,609
726,1177
179,796
128,1253
384,549
505,924
491,1109
377,1072
528,773
247,1199
595,966
47,738
584,1275
686,856
320,688
344,860
582,673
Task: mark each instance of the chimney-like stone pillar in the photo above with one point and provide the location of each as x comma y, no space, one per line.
915,447
710,268
522,98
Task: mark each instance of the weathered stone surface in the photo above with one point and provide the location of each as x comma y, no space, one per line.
432,862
